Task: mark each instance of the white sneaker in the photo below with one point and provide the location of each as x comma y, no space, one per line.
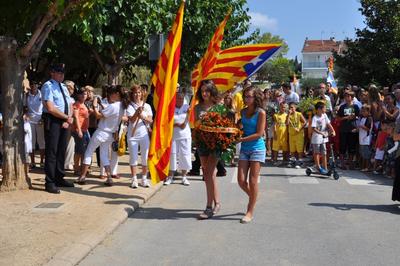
134,183
185,181
168,181
298,166
145,183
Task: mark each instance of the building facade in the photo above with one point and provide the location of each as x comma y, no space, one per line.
316,54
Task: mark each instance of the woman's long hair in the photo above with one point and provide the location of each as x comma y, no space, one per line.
123,95
258,96
210,87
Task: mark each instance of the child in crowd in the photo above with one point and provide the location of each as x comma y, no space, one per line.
295,122
365,125
380,147
390,152
321,126
280,141
270,108
347,114
27,141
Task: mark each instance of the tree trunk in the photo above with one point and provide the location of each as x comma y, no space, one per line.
113,74
11,76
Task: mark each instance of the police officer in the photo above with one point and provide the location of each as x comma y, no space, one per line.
56,118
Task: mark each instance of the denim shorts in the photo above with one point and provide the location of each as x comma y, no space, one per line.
81,143
253,156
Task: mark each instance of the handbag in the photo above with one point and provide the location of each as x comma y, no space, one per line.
122,144
114,144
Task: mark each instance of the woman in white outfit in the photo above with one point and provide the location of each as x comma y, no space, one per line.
113,154
181,151
140,118
69,153
110,118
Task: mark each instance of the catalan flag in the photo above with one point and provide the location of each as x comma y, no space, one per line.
165,79
207,63
209,59
238,63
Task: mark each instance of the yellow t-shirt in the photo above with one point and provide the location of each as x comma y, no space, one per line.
281,128
295,123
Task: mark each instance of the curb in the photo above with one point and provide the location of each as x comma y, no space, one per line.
75,252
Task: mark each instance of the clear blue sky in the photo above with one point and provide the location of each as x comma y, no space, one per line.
294,20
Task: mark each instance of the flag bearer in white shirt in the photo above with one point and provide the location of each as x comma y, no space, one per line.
110,118
140,118
181,151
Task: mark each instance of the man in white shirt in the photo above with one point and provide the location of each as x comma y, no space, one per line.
34,105
290,96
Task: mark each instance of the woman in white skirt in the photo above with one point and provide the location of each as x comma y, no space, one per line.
181,151
140,118
110,118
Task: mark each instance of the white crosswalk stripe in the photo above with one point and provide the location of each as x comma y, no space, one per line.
303,180
358,179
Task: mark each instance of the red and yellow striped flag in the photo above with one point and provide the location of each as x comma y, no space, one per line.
210,57
165,79
238,63
207,63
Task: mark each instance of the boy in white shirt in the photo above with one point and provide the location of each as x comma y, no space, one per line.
181,153
321,126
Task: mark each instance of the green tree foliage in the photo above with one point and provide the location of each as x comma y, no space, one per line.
269,38
116,33
24,28
277,70
374,56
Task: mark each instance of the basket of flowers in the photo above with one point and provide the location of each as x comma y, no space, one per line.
217,133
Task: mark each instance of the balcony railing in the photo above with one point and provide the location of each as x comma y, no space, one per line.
314,65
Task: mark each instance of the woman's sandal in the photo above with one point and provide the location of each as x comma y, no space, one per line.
81,180
217,207
245,220
208,213
109,182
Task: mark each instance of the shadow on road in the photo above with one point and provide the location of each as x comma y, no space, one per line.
157,213
393,208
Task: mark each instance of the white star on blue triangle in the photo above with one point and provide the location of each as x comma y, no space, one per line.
254,65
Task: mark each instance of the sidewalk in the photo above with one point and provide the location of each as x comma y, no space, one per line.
39,228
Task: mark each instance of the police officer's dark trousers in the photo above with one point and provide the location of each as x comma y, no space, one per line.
56,145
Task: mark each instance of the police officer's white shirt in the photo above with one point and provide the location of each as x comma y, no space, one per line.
35,107
179,117
141,128
51,92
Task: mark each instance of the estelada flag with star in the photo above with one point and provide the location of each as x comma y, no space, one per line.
165,80
238,63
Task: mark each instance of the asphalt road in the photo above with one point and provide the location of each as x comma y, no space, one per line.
299,220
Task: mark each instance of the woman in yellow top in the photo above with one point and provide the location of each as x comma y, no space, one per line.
280,140
295,121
